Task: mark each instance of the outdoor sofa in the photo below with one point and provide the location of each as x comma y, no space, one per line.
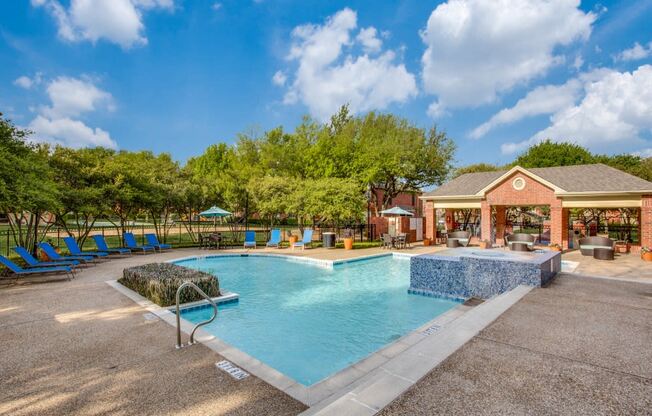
587,244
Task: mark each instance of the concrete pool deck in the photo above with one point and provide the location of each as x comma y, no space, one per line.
81,347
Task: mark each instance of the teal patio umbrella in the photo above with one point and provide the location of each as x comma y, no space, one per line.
214,212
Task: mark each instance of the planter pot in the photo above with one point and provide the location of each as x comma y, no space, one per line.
293,239
555,248
348,244
646,256
44,257
426,242
485,245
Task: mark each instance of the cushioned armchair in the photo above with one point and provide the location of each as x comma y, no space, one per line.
462,237
522,238
587,244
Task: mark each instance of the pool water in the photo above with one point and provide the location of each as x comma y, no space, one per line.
308,321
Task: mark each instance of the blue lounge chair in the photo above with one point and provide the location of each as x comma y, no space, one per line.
250,239
131,244
34,262
100,242
74,249
54,256
37,270
152,240
307,240
274,239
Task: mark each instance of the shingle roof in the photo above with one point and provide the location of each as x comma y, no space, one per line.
579,178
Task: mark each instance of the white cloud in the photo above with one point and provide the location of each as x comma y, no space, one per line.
27,82
546,99
635,53
71,133
73,96
117,21
279,78
644,153
477,49
368,37
216,6
70,98
329,75
615,110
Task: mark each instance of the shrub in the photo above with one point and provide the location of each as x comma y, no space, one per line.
159,282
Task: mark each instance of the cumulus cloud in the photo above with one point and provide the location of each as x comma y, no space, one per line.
329,74
117,21
615,109
27,82
546,99
477,49
635,53
279,78
70,98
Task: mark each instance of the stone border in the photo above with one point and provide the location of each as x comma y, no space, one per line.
330,391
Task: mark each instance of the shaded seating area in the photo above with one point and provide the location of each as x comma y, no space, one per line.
399,241
601,248
520,241
459,238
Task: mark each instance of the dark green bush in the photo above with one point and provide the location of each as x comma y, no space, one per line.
159,282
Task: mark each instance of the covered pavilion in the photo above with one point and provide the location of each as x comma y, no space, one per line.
559,188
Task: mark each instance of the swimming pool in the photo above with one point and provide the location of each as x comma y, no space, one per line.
309,321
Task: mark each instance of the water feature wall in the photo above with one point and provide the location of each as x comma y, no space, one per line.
465,272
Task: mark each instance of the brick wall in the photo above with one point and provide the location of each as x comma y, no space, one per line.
534,193
646,220
430,224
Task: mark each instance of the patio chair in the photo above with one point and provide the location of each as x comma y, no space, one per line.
32,261
74,249
152,240
54,256
37,270
250,239
512,240
131,244
587,244
388,243
462,237
100,242
306,240
274,239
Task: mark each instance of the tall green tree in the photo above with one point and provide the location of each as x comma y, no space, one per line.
27,189
475,168
548,154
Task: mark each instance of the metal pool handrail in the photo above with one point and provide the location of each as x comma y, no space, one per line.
205,296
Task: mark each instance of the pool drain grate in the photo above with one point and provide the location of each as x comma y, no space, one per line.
234,371
431,330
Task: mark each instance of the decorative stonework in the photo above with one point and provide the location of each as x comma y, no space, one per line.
518,183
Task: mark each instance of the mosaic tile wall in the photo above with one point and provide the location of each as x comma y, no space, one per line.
464,275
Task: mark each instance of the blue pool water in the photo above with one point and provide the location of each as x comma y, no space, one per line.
307,321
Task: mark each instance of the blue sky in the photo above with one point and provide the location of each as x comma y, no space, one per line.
178,75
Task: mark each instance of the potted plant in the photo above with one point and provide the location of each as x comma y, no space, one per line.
554,247
292,238
646,253
348,239
484,244
427,242
44,257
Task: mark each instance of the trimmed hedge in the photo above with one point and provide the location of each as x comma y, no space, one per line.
159,282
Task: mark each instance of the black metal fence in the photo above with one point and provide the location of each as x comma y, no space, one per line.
179,235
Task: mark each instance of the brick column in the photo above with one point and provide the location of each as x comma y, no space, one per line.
559,224
646,221
450,219
500,223
431,220
485,220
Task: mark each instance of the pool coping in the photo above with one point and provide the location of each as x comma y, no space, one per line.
338,386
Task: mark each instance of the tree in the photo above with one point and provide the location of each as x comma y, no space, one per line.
27,189
272,196
397,157
475,168
549,154
333,200
83,184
